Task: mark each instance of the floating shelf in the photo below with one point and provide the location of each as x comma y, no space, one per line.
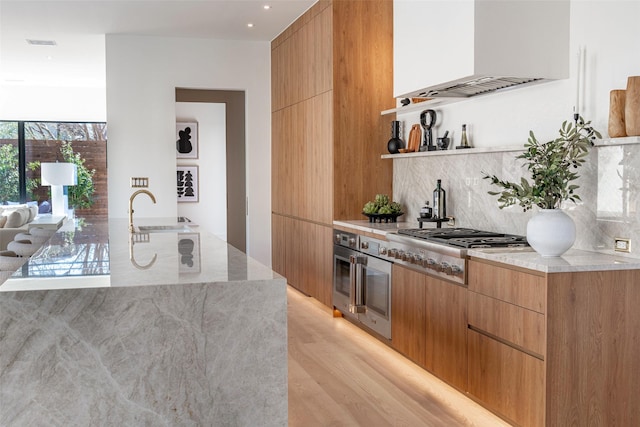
627,140
455,152
608,142
421,105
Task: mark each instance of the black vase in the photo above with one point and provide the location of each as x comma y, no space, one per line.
395,143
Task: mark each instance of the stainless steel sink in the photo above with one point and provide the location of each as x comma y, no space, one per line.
177,228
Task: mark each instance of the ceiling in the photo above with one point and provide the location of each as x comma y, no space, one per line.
79,26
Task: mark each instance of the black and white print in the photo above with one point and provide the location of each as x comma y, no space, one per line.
187,182
187,140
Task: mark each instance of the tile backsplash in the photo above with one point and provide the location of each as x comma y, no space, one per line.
609,188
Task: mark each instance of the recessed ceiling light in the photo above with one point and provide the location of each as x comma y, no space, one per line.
250,25
41,42
266,7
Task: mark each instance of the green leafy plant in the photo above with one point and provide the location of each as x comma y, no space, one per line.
81,194
553,168
10,176
382,205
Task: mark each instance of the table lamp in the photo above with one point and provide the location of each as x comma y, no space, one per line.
57,175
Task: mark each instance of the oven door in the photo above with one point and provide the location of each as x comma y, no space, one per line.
376,289
344,278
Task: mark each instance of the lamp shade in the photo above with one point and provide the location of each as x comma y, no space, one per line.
59,173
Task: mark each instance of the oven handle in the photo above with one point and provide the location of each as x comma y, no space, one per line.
356,303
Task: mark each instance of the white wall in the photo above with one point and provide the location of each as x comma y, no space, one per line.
607,31
73,104
142,74
210,213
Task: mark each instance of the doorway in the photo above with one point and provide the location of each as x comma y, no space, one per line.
235,157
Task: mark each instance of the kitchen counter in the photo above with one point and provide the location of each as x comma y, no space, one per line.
164,328
572,261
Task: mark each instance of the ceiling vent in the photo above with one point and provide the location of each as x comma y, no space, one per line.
41,42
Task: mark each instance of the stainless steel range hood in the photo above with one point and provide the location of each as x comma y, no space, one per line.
466,88
491,45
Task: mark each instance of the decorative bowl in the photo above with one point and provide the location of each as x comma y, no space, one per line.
383,217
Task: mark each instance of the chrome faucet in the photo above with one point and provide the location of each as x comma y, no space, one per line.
133,196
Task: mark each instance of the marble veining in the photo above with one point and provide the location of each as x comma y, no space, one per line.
609,188
199,352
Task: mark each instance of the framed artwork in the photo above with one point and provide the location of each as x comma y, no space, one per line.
189,252
187,140
188,190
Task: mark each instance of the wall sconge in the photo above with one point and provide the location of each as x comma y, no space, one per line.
57,175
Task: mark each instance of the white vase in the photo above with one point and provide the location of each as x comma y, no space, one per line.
551,232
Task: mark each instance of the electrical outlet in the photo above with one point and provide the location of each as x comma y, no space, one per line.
622,244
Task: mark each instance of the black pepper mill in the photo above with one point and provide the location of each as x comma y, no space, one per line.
395,143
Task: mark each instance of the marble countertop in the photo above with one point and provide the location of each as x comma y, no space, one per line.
572,261
104,254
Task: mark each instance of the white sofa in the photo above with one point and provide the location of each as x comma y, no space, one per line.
15,219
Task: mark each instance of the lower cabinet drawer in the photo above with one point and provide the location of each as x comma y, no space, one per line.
526,290
522,327
506,380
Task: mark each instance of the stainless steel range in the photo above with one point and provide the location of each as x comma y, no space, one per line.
443,251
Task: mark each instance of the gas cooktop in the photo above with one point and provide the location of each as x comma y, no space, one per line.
465,237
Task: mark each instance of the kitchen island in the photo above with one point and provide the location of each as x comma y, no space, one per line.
104,327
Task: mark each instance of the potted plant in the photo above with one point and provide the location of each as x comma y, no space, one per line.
553,166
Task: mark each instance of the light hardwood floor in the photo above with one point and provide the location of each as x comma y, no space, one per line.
341,376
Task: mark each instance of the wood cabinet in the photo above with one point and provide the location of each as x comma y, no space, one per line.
555,349
506,380
331,74
429,323
446,357
507,341
408,313
307,265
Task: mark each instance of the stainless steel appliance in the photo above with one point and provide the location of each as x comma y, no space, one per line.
362,281
442,252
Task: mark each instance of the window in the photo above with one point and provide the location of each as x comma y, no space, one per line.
25,145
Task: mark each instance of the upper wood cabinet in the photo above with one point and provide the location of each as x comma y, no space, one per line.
332,73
